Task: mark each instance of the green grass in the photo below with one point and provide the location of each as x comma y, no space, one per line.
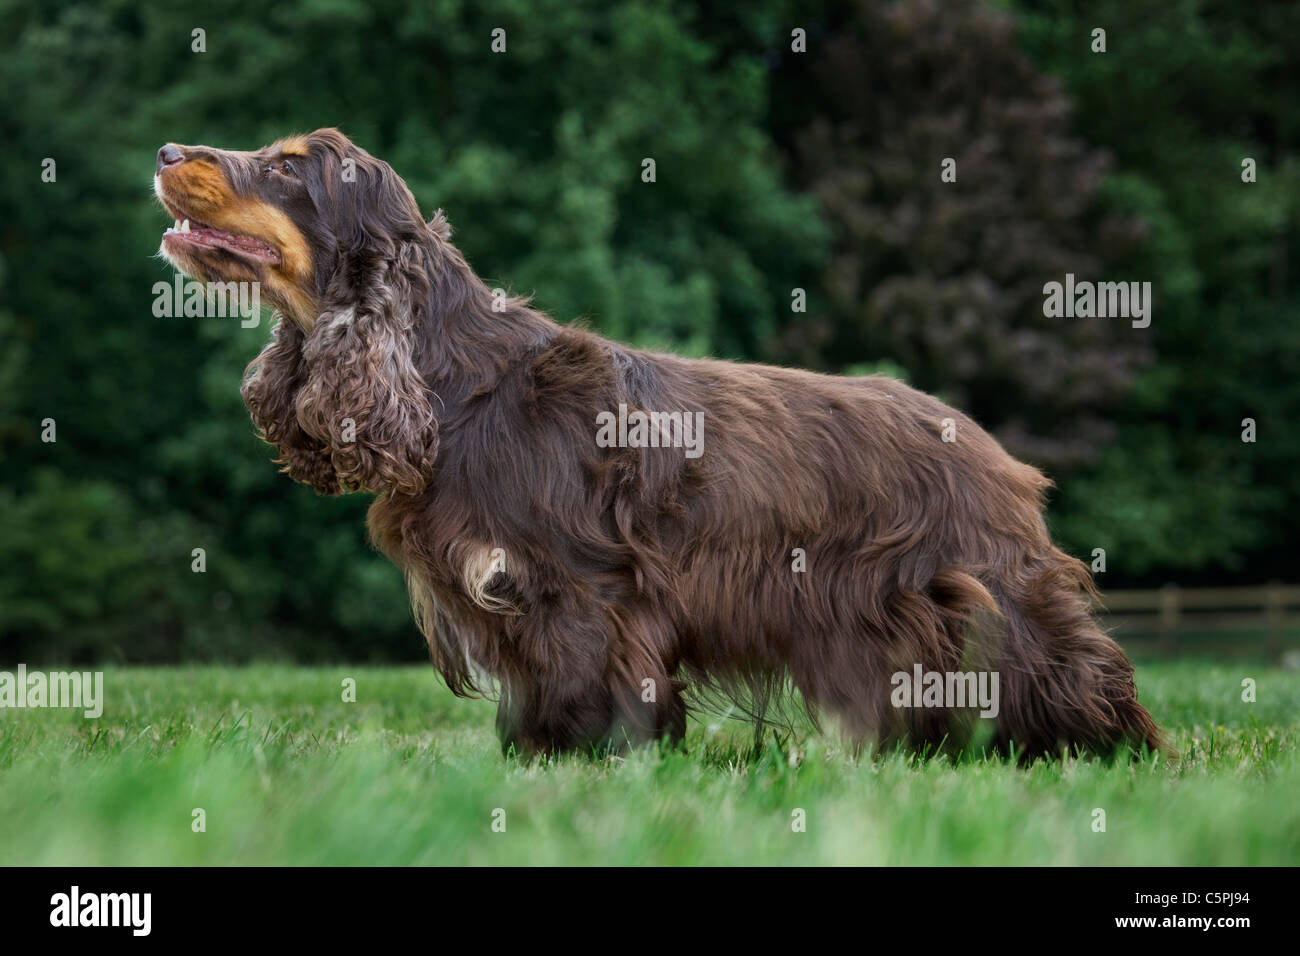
290,774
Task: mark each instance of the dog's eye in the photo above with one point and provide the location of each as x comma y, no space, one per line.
286,167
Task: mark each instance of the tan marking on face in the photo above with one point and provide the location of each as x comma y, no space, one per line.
292,278
200,188
293,146
201,184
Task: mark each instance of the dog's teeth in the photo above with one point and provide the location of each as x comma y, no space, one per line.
185,226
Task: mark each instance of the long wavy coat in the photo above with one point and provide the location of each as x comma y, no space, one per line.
825,533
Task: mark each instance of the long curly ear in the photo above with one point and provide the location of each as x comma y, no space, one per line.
270,390
364,399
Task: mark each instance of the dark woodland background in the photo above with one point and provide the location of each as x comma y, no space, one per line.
776,170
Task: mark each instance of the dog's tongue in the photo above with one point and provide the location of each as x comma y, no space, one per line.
204,235
209,236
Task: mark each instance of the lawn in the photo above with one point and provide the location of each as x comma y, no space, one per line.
287,772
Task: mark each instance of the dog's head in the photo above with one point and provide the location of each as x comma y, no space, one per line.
336,242
297,216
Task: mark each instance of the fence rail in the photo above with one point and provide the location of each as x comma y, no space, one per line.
1162,614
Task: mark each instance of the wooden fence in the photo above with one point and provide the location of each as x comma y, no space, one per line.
1165,616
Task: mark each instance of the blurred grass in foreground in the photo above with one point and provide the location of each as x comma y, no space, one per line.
290,774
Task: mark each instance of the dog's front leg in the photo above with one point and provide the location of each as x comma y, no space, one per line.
587,680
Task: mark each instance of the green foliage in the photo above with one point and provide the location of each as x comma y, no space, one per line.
957,189
774,171
536,156
1183,94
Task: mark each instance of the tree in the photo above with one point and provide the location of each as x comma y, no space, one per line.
1183,94
946,163
536,155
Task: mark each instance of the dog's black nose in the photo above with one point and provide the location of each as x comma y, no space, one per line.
169,155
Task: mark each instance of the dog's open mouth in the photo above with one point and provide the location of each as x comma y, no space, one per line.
191,232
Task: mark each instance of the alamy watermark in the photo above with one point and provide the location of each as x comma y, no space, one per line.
946,689
638,429
77,689
1101,300
189,298
76,909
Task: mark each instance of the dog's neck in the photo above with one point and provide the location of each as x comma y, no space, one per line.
469,335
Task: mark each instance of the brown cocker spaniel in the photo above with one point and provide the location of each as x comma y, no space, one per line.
595,530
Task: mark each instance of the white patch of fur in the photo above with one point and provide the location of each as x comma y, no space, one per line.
438,629
478,569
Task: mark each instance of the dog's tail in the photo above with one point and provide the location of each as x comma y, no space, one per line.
1064,685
